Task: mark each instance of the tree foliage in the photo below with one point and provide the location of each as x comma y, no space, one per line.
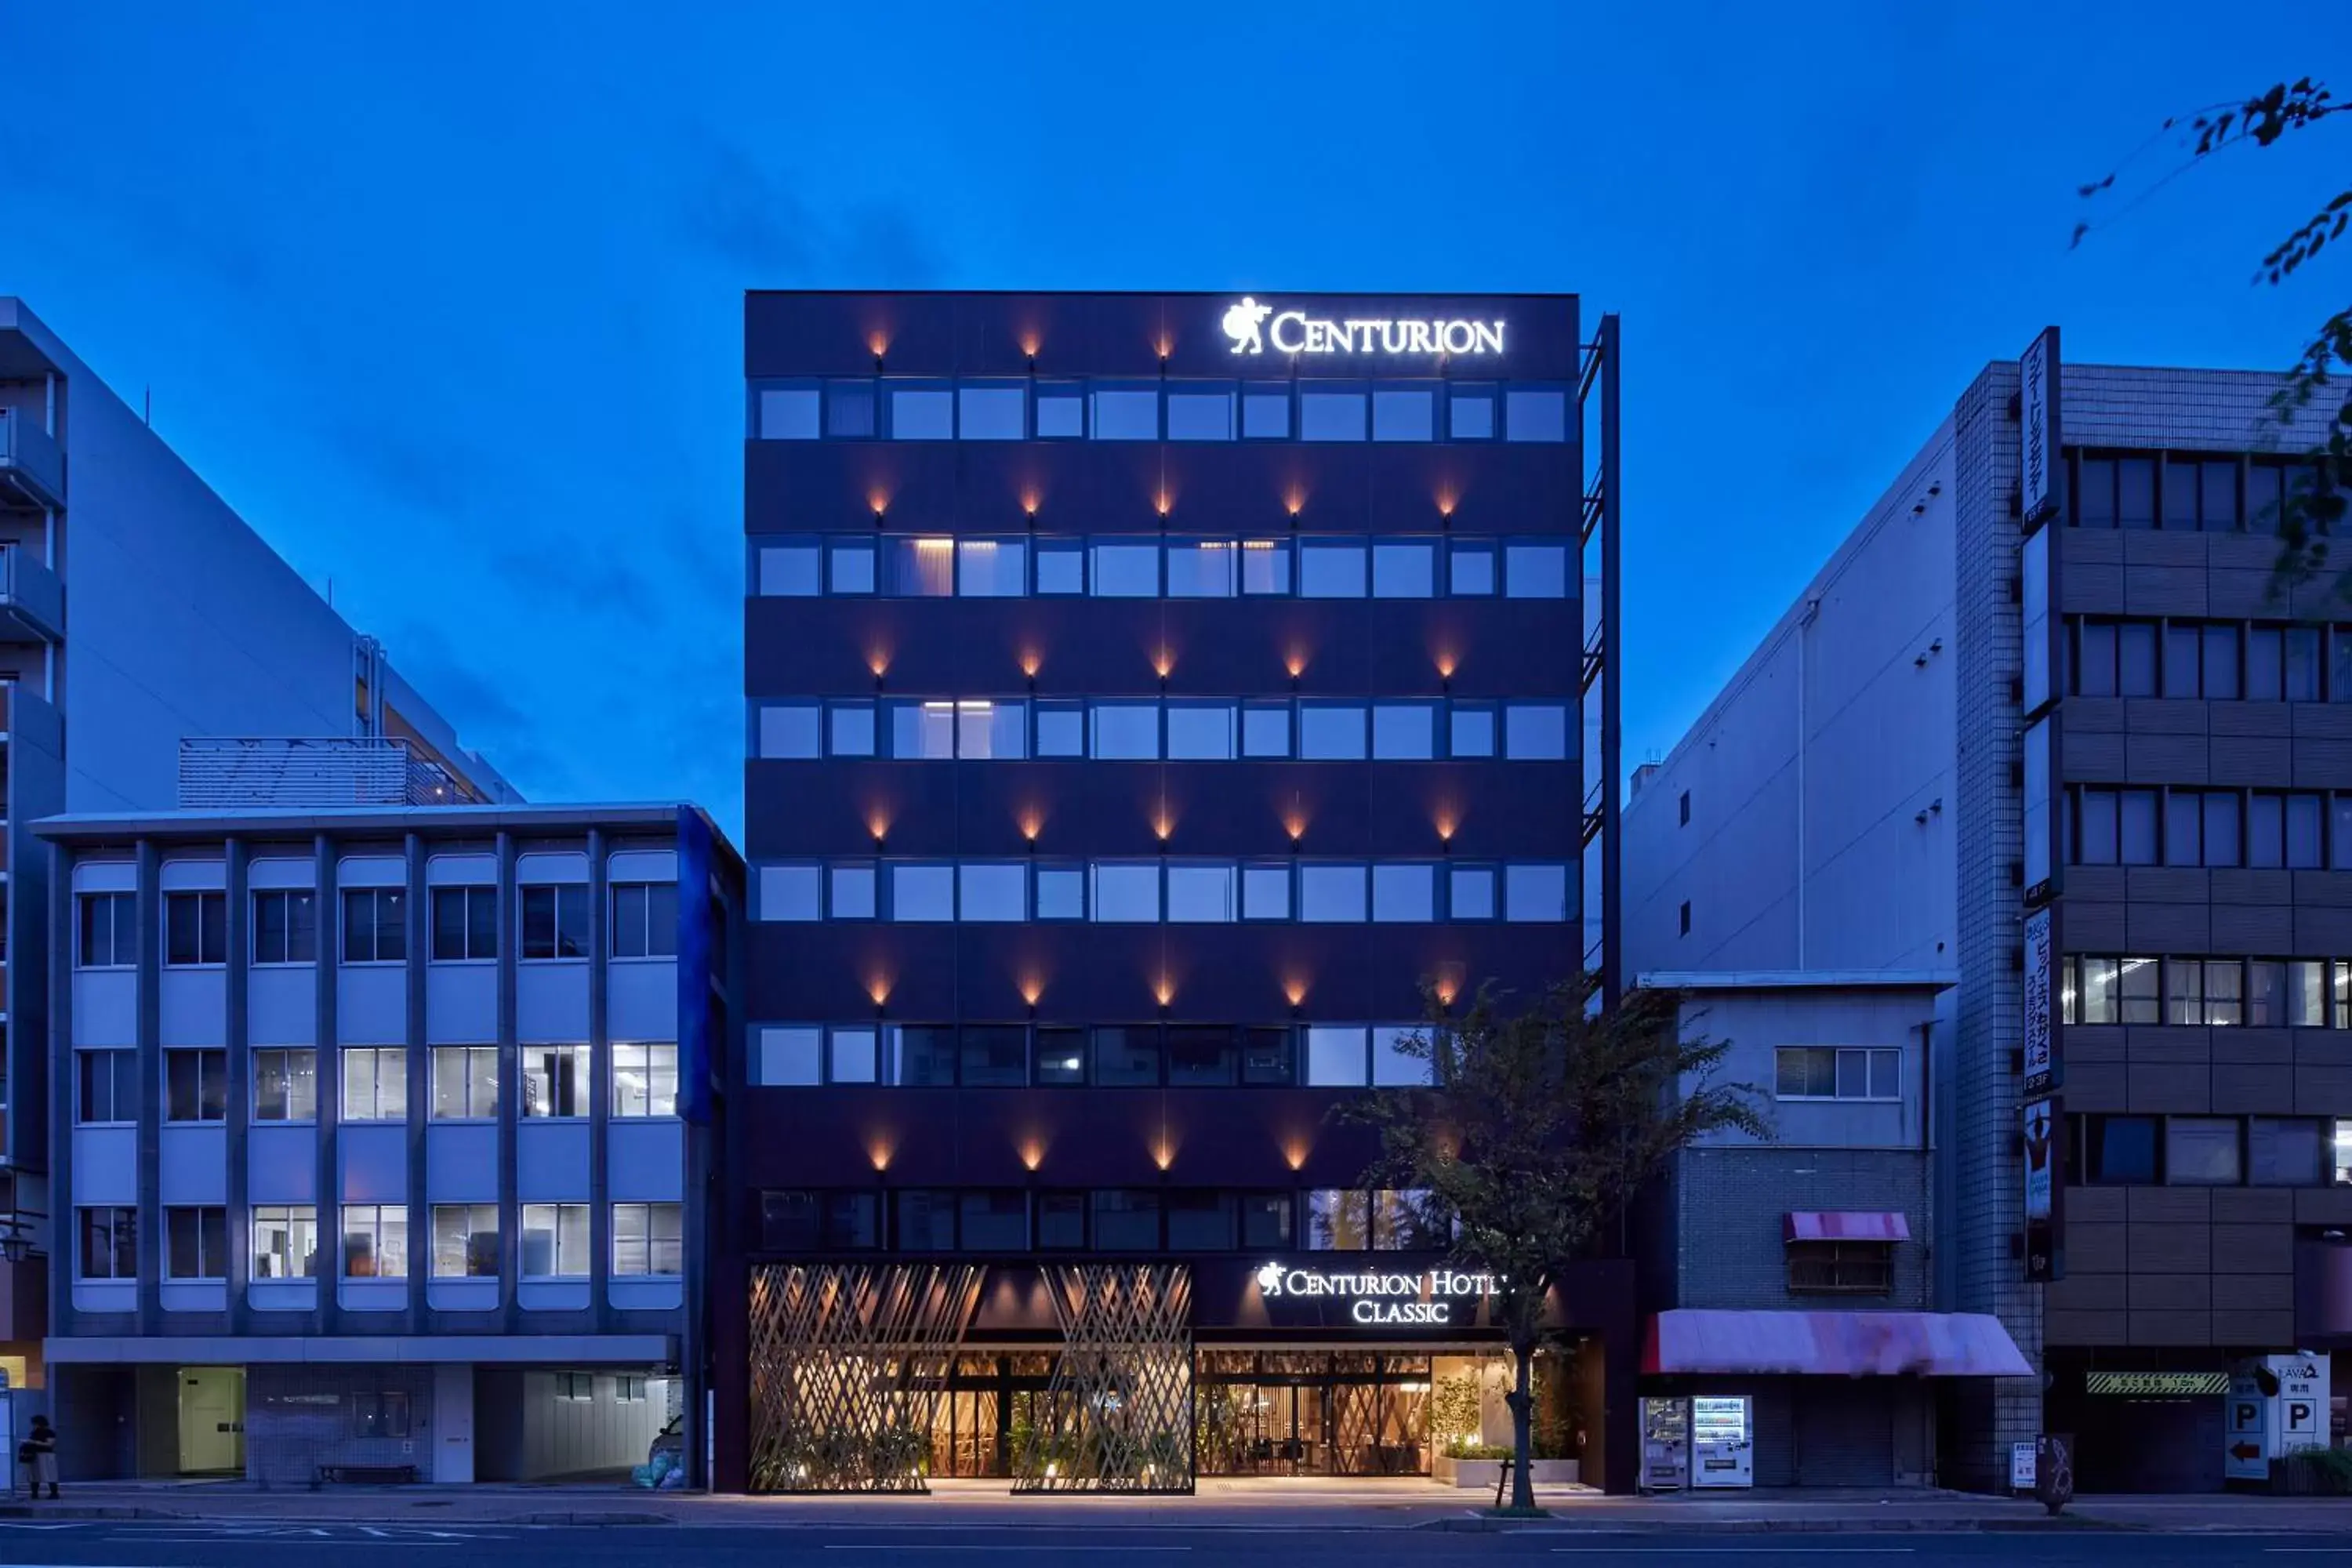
1538,1128
2309,516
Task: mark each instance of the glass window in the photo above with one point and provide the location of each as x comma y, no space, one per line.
286,1241
1410,1222
1127,1056
921,730
1535,892
1061,1221
926,1220
1202,569
788,1057
2094,492
466,1083
1202,894
1061,411
994,1054
1125,412
1536,732
792,730
1472,568
1061,1056
555,1079
1535,570
1126,569
1061,566
555,1244
2136,492
2217,490
1202,1055
1339,1221
1473,729
2286,1152
921,412
921,568
195,928
1535,413
1266,566
2138,999
1201,731
1405,569
554,920
2222,842
2140,815
851,1056
2184,992
2094,659
1266,1054
2202,1151
993,890
1265,411
2180,492
1199,1221
2221,661
1470,410
195,1086
851,563
286,1086
1127,1220
788,413
1330,411
922,892
1470,893
1265,892
375,1083
466,922
2136,659
375,925
2183,830
1061,730
1332,568
1404,731
286,926
1266,1221
375,1241
109,930
849,410
1265,729
1061,893
1404,413
853,892
2307,995
1337,1057
465,1241
2266,664
1127,732
2302,682
645,1080
1200,411
991,412
1127,891
1332,732
992,568
1406,892
792,568
1331,893
853,729
990,730
994,1221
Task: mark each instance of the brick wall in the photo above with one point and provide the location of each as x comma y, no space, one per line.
1729,1249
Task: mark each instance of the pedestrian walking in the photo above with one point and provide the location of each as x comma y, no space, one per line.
40,1453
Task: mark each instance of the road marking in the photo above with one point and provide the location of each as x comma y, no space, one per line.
1739,1551
1028,1551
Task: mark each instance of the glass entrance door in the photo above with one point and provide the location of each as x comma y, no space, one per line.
1309,1413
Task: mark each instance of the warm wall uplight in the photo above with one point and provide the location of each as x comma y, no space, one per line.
1446,823
878,822
1447,988
878,987
1031,662
878,660
879,343
1165,989
1295,989
1163,823
1033,823
1294,822
878,1149
1029,343
1295,500
1029,505
1033,1152
1163,661
1163,1152
1165,345
1445,499
1446,664
1162,503
1295,661
1294,1151
880,501
1032,987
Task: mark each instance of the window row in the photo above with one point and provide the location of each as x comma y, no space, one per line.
1174,891
910,409
2208,1150
1148,728
2218,661
1147,566
2291,829
1109,1219
1013,1056
553,1081
648,1238
2278,993
2187,490
552,923
1837,1072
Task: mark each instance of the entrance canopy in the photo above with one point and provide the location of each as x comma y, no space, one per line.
1835,1344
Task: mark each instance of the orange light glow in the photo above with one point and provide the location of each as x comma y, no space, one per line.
1029,341
1163,661
1294,1151
1446,664
1029,503
1295,988
1163,824
1295,661
1163,1150
1162,503
1446,823
1032,987
877,985
1447,988
1445,499
1165,345
1031,662
1033,1152
1295,500
879,341
880,1147
879,501
878,660
1294,822
1033,823
1165,991
878,822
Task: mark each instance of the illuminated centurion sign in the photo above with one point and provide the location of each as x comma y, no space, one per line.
1426,1298
1296,332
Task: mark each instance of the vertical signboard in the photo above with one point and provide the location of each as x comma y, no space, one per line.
2037,577
2299,1416
2041,774
2041,997
2037,412
2045,1153
2245,1429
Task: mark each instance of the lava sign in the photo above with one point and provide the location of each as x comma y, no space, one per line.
2302,1403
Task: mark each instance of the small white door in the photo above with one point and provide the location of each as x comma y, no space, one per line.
1723,1450
211,1420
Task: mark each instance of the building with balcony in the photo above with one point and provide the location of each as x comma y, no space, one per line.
184,623
377,1138
1148,696
2043,721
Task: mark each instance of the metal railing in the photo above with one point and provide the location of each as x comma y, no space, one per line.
32,469
238,773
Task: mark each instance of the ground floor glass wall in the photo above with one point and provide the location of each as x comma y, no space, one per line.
1311,1413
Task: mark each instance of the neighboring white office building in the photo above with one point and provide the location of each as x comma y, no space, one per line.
137,611
377,1134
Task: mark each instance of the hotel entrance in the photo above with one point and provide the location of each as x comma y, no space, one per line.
1311,1413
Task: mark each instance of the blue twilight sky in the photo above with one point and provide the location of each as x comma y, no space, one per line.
445,299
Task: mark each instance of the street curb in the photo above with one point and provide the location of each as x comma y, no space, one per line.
71,1511
1556,1526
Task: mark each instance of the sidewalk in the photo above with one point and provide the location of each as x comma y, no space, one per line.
1303,1504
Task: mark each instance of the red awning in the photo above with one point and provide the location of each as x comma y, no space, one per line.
1847,1224
1832,1345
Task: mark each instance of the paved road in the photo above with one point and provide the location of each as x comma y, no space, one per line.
141,1544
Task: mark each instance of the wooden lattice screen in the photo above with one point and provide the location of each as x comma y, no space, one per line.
848,1365
1118,1416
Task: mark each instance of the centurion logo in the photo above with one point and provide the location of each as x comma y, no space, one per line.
1426,1298
1296,332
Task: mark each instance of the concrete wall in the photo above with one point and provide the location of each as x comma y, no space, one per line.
576,1436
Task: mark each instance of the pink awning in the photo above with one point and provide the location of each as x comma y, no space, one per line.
1832,1345
1847,1224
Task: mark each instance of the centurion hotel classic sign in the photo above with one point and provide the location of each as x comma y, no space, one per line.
1255,326
1374,1297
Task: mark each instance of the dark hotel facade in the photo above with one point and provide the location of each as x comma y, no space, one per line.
1146,694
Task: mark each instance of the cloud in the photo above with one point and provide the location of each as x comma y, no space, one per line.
749,217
